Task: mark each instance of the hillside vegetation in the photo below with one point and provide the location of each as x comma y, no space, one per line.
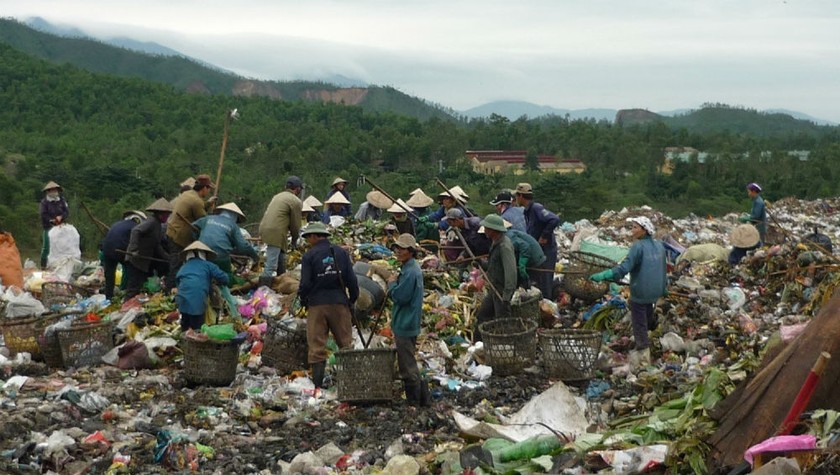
116,143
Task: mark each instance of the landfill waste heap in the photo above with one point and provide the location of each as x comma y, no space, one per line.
141,396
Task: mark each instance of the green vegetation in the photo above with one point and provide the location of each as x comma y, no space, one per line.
115,143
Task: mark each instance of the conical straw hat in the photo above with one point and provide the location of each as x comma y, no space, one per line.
232,207
378,199
419,199
396,208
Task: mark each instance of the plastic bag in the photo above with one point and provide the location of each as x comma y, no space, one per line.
64,242
219,332
21,304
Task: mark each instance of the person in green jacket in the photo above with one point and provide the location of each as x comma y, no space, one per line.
758,213
406,290
529,254
501,274
647,268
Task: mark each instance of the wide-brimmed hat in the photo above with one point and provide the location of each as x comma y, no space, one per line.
199,246
233,208
494,222
744,235
312,201
524,189
502,197
160,205
644,222
405,241
134,212
51,185
337,199
378,199
754,187
338,180
315,228
204,180
399,206
419,199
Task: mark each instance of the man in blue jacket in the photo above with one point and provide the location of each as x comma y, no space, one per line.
406,292
540,224
647,268
328,289
221,233
114,246
515,215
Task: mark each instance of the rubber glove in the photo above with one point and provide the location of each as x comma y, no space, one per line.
423,219
744,218
522,267
602,276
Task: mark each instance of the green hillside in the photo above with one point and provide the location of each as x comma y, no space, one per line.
715,118
188,75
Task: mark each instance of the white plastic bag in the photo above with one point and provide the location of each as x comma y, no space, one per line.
64,242
21,304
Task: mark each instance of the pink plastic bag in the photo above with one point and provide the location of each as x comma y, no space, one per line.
781,443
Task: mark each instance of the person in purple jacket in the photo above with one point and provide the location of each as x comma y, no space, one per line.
54,211
540,224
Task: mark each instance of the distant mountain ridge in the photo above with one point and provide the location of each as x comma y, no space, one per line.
516,109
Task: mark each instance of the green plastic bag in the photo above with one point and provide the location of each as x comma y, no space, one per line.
219,332
152,285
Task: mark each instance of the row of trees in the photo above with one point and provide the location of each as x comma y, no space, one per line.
116,144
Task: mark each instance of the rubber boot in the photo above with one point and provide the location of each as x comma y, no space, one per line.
425,394
318,370
412,394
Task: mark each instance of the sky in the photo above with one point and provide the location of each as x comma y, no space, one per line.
657,55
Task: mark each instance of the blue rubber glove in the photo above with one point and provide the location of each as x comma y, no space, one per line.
602,276
522,268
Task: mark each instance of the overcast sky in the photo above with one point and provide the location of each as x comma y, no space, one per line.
659,55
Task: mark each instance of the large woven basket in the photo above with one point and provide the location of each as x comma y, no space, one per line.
211,362
284,348
570,354
576,281
84,343
509,344
61,293
526,309
21,334
365,375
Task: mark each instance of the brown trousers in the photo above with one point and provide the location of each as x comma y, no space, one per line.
323,319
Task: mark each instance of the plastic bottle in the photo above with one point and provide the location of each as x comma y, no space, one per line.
529,448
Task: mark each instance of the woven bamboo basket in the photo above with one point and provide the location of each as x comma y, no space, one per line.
570,354
284,348
509,344
365,375
576,281
211,362
21,334
526,309
84,343
61,293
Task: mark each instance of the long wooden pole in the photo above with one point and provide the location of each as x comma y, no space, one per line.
230,114
102,227
452,195
379,189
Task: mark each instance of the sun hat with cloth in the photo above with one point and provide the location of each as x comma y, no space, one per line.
744,236
315,228
134,212
378,199
754,187
644,222
419,199
240,216
405,241
52,185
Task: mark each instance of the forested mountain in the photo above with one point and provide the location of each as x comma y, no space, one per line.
115,143
189,75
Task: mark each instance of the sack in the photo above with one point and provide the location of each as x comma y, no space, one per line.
64,242
134,355
11,269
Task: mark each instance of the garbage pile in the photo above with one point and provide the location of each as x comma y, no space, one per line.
146,404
